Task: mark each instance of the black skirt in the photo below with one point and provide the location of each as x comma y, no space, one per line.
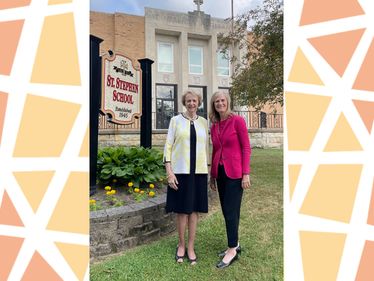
192,193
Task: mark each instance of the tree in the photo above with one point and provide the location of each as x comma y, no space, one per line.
258,78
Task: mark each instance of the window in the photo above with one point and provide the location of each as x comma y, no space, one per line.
223,63
195,59
202,110
166,99
165,57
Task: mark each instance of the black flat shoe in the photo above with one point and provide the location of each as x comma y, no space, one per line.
221,264
177,258
223,253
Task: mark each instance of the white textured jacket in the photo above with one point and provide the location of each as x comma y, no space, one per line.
177,146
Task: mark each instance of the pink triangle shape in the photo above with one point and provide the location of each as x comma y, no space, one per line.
366,111
315,11
10,32
371,208
39,269
10,247
365,268
364,80
8,214
337,49
8,4
3,103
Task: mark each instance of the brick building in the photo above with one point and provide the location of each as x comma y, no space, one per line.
186,55
184,49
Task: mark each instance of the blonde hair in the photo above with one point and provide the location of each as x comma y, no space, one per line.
190,92
214,115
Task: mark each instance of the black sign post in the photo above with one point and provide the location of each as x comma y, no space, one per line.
95,94
146,118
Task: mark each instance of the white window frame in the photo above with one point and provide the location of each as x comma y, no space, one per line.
219,53
158,56
201,61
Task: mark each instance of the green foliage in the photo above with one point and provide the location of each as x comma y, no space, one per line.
114,201
138,197
95,206
260,80
260,232
129,164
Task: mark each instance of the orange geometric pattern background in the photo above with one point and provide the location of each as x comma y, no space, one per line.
44,164
329,140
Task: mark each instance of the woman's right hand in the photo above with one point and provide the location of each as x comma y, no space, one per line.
172,181
213,184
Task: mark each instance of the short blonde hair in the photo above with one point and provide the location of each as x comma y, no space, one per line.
214,115
190,92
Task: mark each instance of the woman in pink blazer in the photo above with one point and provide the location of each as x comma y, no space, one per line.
230,168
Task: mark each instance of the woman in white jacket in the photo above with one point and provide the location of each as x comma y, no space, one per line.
185,157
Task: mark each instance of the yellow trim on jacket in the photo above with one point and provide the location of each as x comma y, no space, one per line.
177,146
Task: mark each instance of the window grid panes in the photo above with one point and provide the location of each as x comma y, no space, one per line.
195,59
165,57
165,105
223,63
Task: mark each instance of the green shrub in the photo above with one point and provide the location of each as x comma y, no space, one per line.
130,164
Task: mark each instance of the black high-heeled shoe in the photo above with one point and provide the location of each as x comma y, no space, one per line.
177,258
223,253
222,264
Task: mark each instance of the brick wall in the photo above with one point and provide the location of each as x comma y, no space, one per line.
121,33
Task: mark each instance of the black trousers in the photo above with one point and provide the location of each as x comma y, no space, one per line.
230,195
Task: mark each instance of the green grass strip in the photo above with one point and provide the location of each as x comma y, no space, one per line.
261,238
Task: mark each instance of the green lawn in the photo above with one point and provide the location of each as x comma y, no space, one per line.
261,238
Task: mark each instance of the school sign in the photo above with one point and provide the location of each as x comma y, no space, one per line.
121,94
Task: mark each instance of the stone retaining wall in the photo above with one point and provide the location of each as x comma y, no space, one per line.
262,138
116,229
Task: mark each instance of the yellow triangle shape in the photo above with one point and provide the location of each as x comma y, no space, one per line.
85,145
302,71
332,193
321,254
304,116
34,185
72,204
54,2
56,60
342,137
77,256
293,174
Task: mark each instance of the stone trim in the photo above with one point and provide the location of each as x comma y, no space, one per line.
117,229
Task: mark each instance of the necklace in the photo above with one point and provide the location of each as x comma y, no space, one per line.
189,118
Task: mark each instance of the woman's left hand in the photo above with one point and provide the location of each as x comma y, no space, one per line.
246,182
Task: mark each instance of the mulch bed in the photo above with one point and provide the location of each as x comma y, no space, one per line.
124,195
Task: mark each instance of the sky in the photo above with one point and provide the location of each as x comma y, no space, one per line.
215,8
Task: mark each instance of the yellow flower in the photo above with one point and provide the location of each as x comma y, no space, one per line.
136,190
130,184
151,193
107,188
92,201
108,193
151,185
113,191
141,191
114,180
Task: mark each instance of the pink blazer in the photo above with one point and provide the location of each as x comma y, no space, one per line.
233,144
